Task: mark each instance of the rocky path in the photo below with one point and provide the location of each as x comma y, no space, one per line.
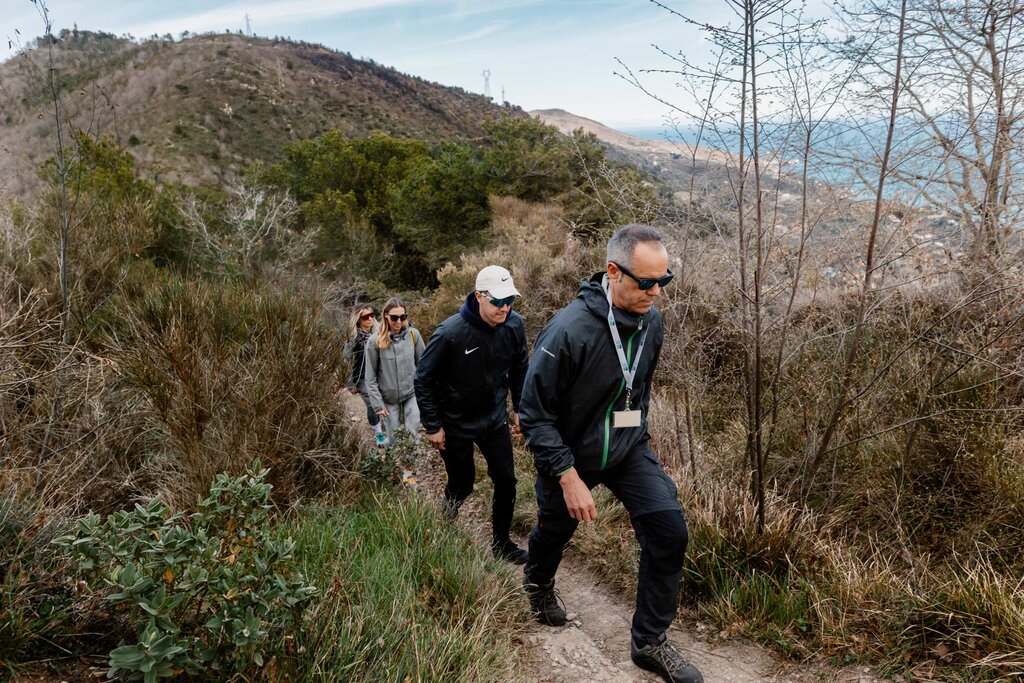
594,646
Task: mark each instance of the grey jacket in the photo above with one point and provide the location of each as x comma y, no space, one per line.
389,372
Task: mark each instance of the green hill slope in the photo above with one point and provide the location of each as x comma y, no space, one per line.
205,107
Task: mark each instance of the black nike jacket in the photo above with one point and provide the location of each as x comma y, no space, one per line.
467,371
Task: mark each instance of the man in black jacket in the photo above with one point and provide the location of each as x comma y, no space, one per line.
462,385
584,413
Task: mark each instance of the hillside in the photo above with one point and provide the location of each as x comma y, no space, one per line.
205,107
672,163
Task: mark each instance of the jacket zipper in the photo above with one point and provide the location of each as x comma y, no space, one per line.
608,412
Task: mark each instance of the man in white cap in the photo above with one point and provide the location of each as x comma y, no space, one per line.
473,361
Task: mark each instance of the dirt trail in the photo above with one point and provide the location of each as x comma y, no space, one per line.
594,646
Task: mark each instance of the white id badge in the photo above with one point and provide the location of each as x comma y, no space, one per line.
626,418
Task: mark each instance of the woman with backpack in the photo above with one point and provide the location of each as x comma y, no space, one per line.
363,325
389,365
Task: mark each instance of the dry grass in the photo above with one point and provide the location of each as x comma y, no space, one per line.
545,261
906,552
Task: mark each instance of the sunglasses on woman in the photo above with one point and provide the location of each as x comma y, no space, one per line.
499,303
645,283
398,318
366,316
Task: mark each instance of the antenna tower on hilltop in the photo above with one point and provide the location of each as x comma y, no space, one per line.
248,26
487,82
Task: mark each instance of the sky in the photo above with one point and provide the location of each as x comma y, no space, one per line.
541,53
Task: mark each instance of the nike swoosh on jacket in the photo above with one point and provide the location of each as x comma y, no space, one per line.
467,372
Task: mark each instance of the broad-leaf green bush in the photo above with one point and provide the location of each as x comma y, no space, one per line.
208,593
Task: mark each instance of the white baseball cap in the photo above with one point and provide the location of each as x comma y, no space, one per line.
497,282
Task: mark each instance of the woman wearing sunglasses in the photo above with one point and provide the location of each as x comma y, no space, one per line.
390,364
363,325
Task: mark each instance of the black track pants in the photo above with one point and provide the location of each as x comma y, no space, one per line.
371,415
496,447
649,495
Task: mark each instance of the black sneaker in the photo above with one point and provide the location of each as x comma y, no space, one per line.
547,607
664,659
507,550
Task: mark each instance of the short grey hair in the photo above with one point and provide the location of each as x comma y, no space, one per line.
623,243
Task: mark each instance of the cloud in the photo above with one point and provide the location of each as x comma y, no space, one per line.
464,9
263,15
481,32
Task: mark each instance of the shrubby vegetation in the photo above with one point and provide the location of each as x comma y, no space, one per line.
395,211
205,331
207,595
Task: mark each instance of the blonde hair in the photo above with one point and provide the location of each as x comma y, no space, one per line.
384,333
353,318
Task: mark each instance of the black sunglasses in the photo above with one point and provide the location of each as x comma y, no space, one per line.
398,318
645,283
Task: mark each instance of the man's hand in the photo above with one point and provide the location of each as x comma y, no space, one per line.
437,439
577,497
353,390
515,425
383,412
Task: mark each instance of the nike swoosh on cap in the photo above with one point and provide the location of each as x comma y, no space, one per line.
469,351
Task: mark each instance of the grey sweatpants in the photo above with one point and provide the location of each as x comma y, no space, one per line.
405,414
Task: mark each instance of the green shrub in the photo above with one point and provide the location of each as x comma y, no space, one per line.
526,158
440,207
382,465
210,592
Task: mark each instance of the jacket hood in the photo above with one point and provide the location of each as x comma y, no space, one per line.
596,300
470,312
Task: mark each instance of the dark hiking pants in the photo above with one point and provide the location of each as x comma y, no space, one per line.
371,415
649,495
496,447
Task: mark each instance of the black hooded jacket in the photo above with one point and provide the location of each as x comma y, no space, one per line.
467,370
574,384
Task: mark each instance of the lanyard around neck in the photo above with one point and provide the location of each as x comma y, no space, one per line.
628,373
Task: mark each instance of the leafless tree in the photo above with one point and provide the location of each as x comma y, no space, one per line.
772,54
256,232
866,294
961,113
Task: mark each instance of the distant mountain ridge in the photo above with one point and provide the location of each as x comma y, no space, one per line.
205,107
672,163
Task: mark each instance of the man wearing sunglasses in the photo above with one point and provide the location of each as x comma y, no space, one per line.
584,414
473,361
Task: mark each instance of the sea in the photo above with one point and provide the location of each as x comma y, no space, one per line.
846,152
